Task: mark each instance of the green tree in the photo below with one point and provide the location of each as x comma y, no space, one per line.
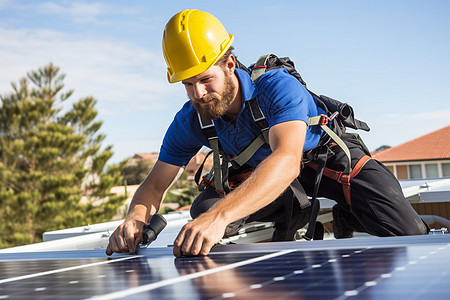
53,171
136,173
382,148
182,192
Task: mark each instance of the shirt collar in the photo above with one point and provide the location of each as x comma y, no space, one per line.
248,87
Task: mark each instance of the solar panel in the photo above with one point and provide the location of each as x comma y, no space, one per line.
415,267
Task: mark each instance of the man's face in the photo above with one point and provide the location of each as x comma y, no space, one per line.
211,92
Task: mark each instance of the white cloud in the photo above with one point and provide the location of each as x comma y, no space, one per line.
50,8
4,3
78,12
83,12
115,72
74,10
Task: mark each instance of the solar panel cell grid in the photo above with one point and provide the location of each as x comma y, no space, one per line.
403,271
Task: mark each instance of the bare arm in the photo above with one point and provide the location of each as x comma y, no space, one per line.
268,181
146,202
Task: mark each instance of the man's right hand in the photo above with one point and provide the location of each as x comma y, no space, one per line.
126,237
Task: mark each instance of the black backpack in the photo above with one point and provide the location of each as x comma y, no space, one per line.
345,118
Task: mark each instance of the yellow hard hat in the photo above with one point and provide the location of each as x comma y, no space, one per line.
193,41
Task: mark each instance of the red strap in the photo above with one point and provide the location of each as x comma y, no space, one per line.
335,175
342,178
346,189
259,67
233,182
359,165
346,185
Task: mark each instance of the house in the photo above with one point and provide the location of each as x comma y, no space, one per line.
153,157
422,166
427,156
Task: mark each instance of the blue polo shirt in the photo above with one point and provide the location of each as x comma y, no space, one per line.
281,98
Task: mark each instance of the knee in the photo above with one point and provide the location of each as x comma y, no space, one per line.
203,202
418,228
197,208
413,226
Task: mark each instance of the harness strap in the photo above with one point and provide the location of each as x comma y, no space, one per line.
248,152
234,180
322,120
322,159
300,193
220,171
199,173
258,117
207,126
262,124
343,178
214,143
224,169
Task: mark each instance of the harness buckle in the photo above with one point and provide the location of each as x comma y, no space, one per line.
340,177
323,120
334,115
206,181
222,194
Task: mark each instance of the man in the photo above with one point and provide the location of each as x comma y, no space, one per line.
197,50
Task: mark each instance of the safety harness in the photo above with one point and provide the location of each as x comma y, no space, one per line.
338,116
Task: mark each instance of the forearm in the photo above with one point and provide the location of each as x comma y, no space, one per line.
145,203
150,194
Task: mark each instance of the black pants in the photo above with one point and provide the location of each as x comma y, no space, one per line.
378,205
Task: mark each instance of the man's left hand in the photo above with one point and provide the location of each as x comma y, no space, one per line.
199,236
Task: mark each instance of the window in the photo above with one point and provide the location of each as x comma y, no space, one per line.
415,171
402,172
446,169
431,170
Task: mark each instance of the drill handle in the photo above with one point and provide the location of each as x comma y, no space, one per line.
156,224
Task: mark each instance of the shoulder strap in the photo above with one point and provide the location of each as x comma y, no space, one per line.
207,126
262,124
259,119
260,67
208,129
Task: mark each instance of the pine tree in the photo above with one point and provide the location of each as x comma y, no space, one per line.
53,171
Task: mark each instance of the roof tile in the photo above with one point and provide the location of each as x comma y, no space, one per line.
435,145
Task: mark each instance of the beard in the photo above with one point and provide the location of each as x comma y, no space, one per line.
217,105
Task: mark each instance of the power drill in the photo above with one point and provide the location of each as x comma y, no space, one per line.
151,230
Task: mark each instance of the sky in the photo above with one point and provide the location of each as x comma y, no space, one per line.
389,59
